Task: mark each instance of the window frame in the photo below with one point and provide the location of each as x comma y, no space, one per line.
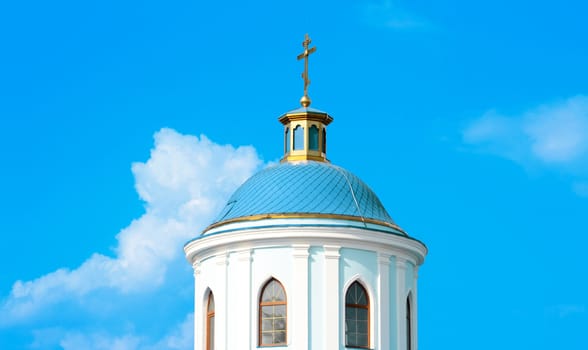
260,306
408,323
298,134
313,137
287,141
367,307
210,315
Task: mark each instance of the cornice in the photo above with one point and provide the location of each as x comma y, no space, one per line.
321,117
331,238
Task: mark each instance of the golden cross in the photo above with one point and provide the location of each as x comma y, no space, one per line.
307,52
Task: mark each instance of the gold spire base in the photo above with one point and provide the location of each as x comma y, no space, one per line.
305,101
305,156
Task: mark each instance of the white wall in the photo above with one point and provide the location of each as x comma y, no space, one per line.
315,266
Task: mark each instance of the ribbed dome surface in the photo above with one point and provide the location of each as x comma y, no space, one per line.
304,188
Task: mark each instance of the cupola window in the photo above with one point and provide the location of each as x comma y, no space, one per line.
287,140
313,138
272,314
357,314
298,138
324,140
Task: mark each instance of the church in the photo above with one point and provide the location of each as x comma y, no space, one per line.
304,256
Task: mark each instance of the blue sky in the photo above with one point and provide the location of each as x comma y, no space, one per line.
126,126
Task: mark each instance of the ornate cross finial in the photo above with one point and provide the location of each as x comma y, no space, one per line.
305,100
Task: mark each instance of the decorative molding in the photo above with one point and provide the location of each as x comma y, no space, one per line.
384,258
223,259
301,251
244,255
332,251
196,267
349,237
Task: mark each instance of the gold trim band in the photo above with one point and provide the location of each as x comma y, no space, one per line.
304,216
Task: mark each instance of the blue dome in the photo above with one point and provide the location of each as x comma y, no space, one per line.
306,189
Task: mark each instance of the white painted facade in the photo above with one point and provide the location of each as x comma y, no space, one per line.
315,261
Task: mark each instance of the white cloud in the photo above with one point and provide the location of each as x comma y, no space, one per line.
180,337
497,134
184,183
559,133
554,135
76,341
387,13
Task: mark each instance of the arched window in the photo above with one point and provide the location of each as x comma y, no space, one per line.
298,138
408,325
272,314
357,315
287,140
313,141
210,322
324,141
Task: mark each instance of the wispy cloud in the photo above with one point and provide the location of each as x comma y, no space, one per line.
179,337
581,188
498,134
80,340
565,310
183,184
389,14
182,337
553,135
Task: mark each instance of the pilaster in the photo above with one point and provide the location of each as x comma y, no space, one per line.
331,288
400,303
382,334
198,308
221,294
300,297
414,308
239,299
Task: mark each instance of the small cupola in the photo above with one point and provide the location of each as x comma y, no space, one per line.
305,128
305,134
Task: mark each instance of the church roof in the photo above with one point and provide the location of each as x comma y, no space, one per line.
307,189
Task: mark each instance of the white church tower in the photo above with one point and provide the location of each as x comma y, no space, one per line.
305,257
